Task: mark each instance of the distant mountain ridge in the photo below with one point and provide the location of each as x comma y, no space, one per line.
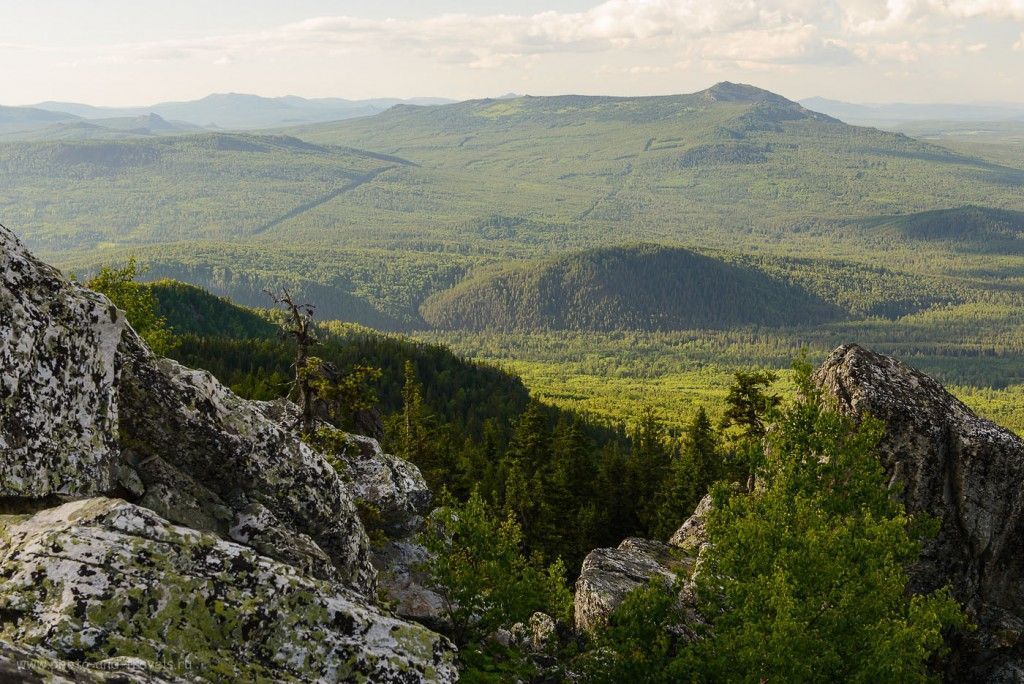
21,118
368,217
244,111
900,112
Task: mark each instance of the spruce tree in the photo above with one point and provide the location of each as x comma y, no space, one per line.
693,472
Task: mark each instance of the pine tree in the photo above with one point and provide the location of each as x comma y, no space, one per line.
748,402
647,467
299,327
805,576
693,472
531,440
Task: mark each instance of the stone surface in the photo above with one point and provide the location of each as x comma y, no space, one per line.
967,472
690,536
542,631
58,381
200,428
394,486
608,575
272,569
405,586
103,577
20,665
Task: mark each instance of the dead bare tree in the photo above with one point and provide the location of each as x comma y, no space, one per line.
300,327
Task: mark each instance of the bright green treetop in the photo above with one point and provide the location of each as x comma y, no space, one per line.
137,301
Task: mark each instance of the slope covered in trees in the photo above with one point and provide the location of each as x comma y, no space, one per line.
972,227
641,288
189,309
731,167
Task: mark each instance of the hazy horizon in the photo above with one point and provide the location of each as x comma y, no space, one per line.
124,53
138,105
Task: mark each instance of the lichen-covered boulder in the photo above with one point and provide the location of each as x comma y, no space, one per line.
389,487
405,585
100,578
608,575
21,665
968,473
86,409
58,381
191,422
393,486
691,536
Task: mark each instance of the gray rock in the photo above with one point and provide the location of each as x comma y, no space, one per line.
105,578
691,536
58,381
21,665
87,409
228,445
405,585
257,528
967,472
608,575
542,631
395,487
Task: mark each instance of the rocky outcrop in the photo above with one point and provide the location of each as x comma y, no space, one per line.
59,372
102,576
192,423
393,486
232,546
691,536
968,473
608,575
392,498
405,585
399,497
21,665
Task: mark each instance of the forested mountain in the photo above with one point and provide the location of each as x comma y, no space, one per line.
191,310
26,118
117,128
628,288
370,216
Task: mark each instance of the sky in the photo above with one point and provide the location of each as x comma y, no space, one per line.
134,52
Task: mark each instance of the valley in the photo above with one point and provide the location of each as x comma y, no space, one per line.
593,245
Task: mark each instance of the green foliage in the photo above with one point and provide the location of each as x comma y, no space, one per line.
478,567
648,466
637,645
973,228
805,578
342,397
191,309
138,302
693,471
747,402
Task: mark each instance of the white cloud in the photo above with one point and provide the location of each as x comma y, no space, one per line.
769,33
